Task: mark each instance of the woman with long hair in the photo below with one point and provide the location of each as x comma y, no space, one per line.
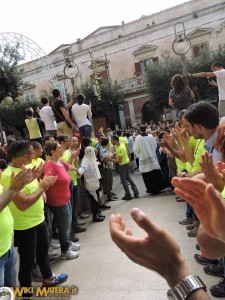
181,95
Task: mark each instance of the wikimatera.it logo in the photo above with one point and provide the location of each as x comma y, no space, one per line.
47,293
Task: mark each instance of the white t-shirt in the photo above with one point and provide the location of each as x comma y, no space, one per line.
47,116
79,113
220,76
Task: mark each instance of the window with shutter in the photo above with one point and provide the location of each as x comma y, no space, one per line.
196,49
137,67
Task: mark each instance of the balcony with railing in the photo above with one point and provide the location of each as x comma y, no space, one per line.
133,85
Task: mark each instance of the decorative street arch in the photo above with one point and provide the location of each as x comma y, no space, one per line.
30,51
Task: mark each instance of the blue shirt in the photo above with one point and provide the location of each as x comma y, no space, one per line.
209,147
130,144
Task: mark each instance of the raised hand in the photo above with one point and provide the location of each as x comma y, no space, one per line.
19,180
213,83
211,171
210,247
184,136
38,171
176,136
149,251
162,143
221,169
47,181
75,154
207,203
168,138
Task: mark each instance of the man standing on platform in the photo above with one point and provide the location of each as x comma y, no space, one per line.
61,115
219,72
48,117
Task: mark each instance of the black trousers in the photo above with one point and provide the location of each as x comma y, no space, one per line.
94,204
154,181
107,173
32,243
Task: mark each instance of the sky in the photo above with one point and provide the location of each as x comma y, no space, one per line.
53,23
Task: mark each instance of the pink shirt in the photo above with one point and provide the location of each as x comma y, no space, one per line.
59,193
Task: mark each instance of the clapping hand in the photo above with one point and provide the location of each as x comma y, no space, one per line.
149,250
207,203
19,180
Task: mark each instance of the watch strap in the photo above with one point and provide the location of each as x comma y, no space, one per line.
185,287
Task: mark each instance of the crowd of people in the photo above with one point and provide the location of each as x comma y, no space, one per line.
197,142
42,179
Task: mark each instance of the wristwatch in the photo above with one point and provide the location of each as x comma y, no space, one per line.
185,287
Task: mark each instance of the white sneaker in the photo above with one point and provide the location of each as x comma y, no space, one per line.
70,254
55,245
52,252
80,222
75,246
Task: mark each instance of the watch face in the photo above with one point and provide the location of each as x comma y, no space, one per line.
6,293
71,70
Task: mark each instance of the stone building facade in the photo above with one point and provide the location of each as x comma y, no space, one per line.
129,48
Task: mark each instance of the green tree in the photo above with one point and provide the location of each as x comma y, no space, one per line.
158,84
203,64
111,95
10,75
158,78
14,115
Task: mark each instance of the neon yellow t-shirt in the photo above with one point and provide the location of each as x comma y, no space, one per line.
35,162
66,157
33,128
122,151
123,140
223,193
198,152
6,229
32,216
180,165
192,142
94,142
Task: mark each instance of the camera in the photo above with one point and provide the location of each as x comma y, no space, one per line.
209,79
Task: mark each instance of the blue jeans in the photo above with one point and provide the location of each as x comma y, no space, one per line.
85,131
8,268
63,219
124,177
189,211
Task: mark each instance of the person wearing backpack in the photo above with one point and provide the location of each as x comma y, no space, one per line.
181,95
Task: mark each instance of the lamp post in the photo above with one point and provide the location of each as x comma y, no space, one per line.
96,86
181,45
71,69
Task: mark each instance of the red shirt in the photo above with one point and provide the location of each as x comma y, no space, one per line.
59,193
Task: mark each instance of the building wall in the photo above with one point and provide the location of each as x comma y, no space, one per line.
121,41
133,35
